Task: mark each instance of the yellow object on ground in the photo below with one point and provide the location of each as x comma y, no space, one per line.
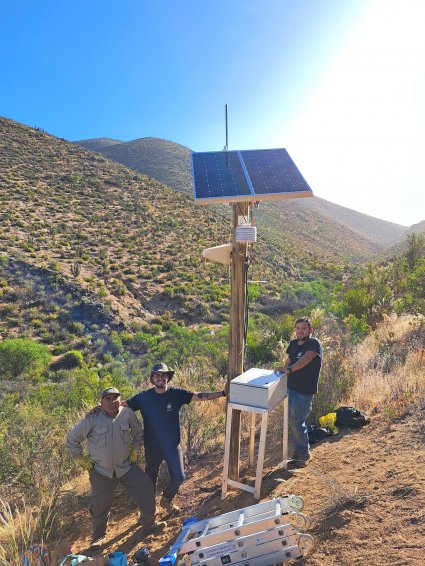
329,420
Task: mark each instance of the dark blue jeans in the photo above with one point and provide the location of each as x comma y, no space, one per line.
299,407
155,455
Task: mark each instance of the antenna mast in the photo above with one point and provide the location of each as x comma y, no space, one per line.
226,147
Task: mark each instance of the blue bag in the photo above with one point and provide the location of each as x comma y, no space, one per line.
117,559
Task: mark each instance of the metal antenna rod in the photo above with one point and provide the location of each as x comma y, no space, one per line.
226,147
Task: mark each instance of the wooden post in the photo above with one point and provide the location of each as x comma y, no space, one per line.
236,330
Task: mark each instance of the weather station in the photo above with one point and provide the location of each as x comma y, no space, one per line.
242,179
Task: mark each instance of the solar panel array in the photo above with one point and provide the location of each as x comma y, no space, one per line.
250,175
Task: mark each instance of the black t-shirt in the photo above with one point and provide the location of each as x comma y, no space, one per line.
305,380
160,413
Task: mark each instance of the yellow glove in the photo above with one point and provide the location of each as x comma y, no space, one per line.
85,462
133,456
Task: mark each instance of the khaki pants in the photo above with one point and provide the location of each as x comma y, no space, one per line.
137,484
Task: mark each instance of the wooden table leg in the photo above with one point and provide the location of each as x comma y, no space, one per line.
226,453
252,417
261,450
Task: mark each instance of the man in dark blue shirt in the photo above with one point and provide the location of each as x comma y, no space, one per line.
302,369
160,409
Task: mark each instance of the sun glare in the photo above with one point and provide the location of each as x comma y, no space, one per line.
361,137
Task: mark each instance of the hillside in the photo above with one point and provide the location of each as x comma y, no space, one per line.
382,231
400,248
131,245
161,159
88,246
418,228
91,250
97,144
170,163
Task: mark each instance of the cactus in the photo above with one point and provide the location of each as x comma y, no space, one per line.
75,269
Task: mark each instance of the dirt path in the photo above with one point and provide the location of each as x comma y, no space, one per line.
364,490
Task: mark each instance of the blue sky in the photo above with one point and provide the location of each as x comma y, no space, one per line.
339,83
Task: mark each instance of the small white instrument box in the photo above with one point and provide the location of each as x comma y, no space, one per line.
261,388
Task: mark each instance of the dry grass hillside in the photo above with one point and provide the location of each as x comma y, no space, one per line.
128,243
418,228
161,159
400,248
382,231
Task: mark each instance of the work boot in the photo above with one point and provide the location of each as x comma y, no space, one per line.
153,528
298,463
169,506
97,542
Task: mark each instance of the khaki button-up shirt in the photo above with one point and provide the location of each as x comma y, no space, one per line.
109,440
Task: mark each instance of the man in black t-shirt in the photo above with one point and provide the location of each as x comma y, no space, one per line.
302,369
160,409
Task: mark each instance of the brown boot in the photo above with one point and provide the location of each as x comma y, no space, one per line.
169,506
97,542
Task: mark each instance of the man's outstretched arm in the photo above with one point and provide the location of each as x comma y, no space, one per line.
208,395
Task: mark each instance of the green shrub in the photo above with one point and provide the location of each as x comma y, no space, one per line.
23,357
76,327
70,360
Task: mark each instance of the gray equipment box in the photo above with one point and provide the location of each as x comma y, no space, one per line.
261,388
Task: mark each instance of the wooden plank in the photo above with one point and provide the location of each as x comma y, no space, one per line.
251,439
236,331
239,485
260,459
226,453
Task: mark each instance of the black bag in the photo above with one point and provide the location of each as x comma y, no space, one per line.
317,433
350,417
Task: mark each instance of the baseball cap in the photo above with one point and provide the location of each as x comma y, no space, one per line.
110,391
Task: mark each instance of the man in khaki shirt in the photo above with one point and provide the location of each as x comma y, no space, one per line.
113,437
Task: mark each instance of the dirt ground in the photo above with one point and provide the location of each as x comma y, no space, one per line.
364,491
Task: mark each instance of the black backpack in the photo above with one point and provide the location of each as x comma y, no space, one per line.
350,417
317,433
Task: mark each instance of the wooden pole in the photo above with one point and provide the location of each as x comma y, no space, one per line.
236,331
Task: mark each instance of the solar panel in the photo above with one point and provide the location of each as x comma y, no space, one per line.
250,175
